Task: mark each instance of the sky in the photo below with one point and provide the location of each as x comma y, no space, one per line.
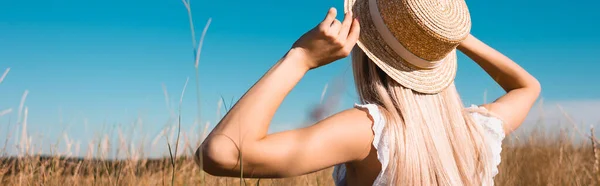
91,66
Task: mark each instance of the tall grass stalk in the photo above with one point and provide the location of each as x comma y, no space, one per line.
179,116
173,154
595,152
197,49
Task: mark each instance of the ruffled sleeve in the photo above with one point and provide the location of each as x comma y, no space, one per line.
494,132
380,142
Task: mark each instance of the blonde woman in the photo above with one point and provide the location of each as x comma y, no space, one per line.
410,127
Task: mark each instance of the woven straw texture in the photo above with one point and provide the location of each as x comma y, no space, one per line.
416,27
430,29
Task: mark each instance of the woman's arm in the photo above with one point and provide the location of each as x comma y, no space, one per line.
521,87
241,136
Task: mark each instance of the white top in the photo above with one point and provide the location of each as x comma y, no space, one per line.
492,126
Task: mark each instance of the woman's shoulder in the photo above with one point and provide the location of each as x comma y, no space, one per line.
349,129
380,143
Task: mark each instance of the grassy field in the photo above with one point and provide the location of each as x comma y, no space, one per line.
541,159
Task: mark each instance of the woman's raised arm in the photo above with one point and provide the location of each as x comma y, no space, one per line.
521,87
239,143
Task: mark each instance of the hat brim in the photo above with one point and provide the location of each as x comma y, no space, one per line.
427,81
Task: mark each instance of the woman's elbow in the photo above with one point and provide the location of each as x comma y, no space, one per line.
535,87
216,158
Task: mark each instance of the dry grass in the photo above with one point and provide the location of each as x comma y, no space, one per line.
63,171
541,159
548,159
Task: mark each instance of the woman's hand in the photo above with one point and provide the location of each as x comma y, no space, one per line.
329,41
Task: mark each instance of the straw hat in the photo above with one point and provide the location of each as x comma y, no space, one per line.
413,41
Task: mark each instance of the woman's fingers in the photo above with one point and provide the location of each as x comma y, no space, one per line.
353,35
346,26
335,28
329,18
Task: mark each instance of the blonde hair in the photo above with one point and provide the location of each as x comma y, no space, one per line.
434,140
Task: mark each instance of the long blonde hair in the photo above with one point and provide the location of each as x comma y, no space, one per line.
434,141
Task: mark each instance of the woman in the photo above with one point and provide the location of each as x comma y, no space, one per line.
410,128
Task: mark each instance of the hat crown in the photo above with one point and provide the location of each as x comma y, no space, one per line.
429,29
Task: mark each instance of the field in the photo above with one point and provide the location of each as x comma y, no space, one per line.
541,159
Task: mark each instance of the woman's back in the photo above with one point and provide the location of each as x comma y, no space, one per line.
373,168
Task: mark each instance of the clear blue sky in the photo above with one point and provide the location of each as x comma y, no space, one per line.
97,63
